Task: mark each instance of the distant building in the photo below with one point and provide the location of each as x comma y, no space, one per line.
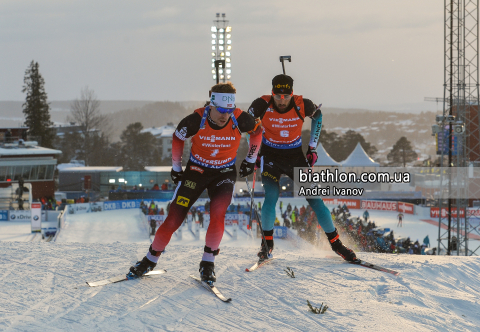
11,134
164,135
77,180
33,163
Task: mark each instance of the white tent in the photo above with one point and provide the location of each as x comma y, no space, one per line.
359,158
324,158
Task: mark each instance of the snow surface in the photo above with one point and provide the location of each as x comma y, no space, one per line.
432,293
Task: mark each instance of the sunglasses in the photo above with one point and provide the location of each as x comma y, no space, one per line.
224,110
281,96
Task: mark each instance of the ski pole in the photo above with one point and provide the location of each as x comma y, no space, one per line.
256,214
285,57
251,196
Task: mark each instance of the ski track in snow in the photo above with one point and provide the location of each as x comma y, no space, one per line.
42,285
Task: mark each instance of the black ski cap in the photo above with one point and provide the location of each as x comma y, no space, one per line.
282,84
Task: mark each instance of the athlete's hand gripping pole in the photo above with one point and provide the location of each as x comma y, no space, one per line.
256,212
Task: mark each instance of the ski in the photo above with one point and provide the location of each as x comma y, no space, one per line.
259,264
122,278
375,267
211,288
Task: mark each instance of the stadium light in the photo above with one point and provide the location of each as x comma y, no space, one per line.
111,181
221,41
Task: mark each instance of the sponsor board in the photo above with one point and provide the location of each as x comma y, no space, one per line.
119,205
351,203
434,212
78,208
159,219
36,217
3,215
379,205
242,219
406,208
20,215
280,232
96,207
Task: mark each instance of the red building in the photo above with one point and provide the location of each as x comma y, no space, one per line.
27,160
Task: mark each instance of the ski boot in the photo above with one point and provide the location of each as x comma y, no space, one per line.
207,272
140,268
339,248
266,252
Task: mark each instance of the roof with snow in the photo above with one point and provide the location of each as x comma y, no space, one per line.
91,169
28,148
324,158
163,131
159,168
359,158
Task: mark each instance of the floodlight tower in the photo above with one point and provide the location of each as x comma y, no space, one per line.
221,49
459,127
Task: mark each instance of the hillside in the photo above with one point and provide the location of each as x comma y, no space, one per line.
380,128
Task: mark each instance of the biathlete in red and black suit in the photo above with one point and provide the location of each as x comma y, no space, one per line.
282,114
215,132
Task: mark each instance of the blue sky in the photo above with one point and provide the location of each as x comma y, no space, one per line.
362,54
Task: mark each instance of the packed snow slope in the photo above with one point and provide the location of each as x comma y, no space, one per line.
42,286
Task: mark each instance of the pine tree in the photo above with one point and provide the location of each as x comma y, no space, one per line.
402,153
137,148
36,107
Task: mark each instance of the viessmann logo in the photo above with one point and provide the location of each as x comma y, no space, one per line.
280,120
214,138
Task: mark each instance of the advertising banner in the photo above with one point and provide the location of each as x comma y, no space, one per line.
118,205
36,217
3,215
240,218
434,212
78,208
20,215
96,207
351,203
379,205
406,208
280,232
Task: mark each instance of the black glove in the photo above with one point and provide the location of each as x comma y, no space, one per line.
176,176
258,162
246,168
312,156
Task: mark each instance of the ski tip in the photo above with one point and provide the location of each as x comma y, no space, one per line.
247,270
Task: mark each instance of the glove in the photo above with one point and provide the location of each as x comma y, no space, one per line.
312,156
246,168
258,163
176,176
